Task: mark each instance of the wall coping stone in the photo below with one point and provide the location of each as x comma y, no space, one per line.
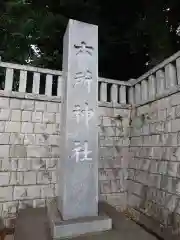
113,81
38,97
155,69
30,96
114,105
30,68
166,93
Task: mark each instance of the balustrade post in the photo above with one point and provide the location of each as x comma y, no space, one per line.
178,69
144,90
49,81
170,75
152,86
131,95
23,81
122,94
160,76
114,93
9,79
137,93
36,83
103,92
60,86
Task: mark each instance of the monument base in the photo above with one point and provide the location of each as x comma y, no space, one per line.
72,228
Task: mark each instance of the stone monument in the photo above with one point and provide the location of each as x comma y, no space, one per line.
77,200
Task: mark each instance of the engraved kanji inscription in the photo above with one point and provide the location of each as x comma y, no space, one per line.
84,48
81,152
86,113
77,113
84,78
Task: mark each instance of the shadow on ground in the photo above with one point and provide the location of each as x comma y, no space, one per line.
33,224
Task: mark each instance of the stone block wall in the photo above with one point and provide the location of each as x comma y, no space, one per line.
139,156
154,170
29,151
113,155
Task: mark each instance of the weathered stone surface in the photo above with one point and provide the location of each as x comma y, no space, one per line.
72,228
29,178
154,148
41,139
40,106
47,192
37,151
2,126
4,138
4,102
24,192
44,177
10,208
16,115
29,139
15,103
13,127
39,128
49,117
4,151
158,157
52,107
175,125
18,151
9,164
24,164
51,163
6,194
5,114
16,178
27,105
52,128
58,117
37,117
26,116
175,100
75,197
54,152
4,178
27,127
54,140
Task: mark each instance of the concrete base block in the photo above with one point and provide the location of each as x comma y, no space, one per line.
75,227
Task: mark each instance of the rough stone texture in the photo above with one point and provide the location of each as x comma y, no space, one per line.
33,224
29,152
139,166
154,170
113,155
61,229
79,145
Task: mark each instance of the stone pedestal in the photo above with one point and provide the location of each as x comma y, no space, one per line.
78,169
75,227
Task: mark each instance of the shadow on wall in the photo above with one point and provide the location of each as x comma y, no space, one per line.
5,231
2,230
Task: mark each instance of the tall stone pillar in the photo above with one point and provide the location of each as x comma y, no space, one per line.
78,170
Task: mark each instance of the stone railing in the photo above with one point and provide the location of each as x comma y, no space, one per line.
32,75
113,91
162,80
40,81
